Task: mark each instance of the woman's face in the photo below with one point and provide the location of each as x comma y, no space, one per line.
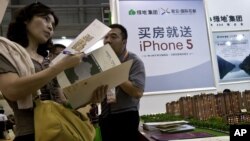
40,28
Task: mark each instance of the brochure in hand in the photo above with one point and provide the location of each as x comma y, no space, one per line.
80,92
85,40
101,66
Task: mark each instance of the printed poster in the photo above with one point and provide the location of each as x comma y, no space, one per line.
171,38
232,52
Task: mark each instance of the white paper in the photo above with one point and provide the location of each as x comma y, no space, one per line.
80,92
86,39
99,60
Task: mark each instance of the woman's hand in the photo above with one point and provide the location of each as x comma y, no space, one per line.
99,94
70,61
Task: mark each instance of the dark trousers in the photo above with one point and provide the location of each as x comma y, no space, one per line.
29,137
122,125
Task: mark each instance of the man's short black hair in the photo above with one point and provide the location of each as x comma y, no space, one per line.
59,45
226,91
55,46
122,28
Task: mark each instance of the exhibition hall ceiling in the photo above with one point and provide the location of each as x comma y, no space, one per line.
74,15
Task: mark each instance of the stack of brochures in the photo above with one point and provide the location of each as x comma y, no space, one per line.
181,136
217,138
176,128
169,127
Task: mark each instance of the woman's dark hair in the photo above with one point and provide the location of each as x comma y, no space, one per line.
17,31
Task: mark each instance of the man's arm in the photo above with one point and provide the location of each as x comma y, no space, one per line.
135,85
131,90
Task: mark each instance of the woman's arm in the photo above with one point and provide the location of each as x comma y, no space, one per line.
14,87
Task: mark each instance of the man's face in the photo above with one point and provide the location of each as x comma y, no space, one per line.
114,38
57,51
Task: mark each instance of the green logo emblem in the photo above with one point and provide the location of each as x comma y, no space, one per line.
131,12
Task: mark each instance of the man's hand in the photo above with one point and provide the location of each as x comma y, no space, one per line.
99,94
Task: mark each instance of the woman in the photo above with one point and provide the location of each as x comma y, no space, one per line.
24,67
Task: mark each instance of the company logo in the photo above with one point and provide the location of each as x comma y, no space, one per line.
132,12
226,20
161,11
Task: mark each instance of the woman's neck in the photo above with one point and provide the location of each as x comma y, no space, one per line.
33,44
32,50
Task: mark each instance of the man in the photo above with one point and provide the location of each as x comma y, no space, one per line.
56,50
121,118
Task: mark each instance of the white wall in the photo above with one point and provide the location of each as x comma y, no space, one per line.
155,103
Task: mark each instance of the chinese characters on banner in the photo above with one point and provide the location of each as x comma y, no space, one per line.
171,38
